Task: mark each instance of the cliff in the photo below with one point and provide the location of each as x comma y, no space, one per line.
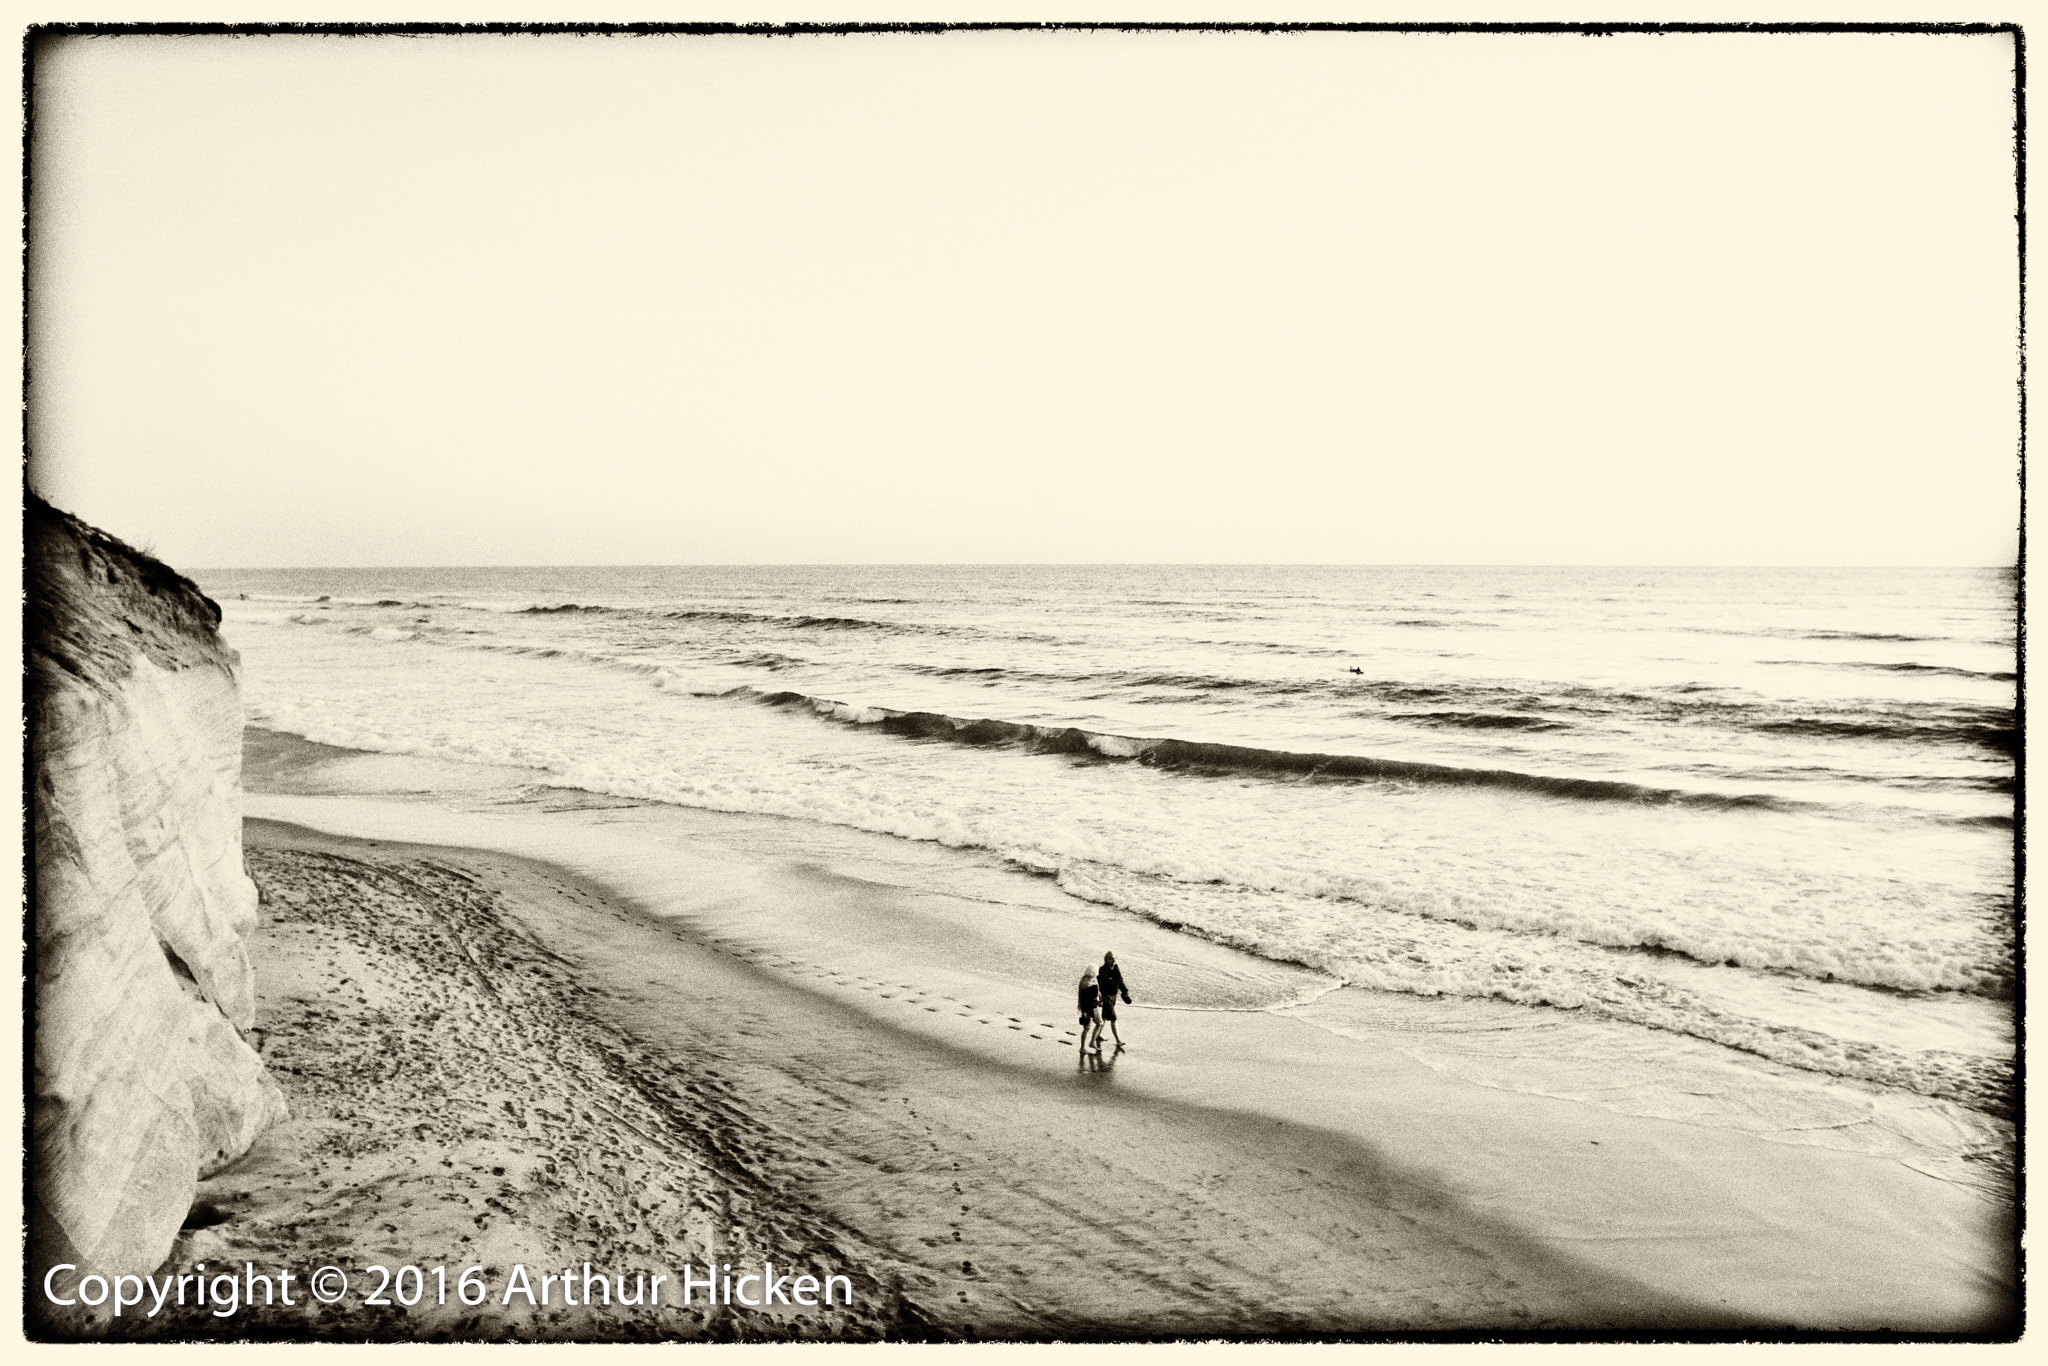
142,1080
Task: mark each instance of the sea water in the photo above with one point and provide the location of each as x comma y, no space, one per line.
1769,809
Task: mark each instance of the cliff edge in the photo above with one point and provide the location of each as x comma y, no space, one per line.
142,1080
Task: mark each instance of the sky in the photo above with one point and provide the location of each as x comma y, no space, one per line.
1028,297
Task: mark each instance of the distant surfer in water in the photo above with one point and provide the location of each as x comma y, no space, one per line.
1091,1012
1112,986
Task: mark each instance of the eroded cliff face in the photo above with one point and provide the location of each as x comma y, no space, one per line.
143,1082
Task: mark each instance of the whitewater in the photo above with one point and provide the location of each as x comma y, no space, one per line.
1768,809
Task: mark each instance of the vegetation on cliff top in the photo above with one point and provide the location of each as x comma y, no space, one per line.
93,602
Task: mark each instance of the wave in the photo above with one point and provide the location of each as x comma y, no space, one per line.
1945,670
1688,704
1385,946
1480,720
1472,706
1857,635
766,659
1798,633
1204,757
1992,730
962,671
1994,675
1505,706
1277,687
645,668
792,621
1129,678
1282,648
534,607
1496,707
787,621
315,599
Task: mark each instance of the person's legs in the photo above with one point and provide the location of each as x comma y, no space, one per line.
1109,1018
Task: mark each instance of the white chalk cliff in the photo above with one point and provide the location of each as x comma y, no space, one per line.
143,1082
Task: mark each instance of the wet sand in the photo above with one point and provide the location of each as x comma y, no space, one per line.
575,1030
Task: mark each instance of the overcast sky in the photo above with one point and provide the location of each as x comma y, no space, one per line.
1062,296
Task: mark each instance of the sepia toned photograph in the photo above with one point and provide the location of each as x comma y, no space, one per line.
1043,684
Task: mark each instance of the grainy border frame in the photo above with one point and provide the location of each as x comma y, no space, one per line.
38,34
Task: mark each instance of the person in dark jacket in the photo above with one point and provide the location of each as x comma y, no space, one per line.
1091,1013
1111,982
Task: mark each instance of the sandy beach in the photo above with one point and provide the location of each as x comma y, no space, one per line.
530,1049
617,619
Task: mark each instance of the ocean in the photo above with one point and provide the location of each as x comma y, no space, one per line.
1767,809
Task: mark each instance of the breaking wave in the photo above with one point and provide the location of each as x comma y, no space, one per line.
1203,757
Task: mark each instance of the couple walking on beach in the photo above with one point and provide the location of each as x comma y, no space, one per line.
1099,992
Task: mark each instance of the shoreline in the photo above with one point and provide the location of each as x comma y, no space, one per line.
841,1043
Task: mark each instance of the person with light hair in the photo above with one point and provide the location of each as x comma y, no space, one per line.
1091,1013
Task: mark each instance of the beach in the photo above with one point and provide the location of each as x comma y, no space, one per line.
551,1030
583,752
